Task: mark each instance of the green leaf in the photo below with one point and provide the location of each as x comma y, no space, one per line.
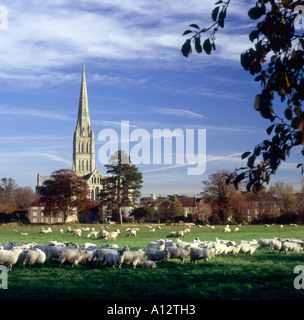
198,46
256,12
215,13
288,113
207,46
245,154
194,26
250,161
187,32
269,129
186,48
254,35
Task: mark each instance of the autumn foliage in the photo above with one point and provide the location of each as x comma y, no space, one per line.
64,193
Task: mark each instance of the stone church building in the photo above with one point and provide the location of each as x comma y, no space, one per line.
84,145
84,163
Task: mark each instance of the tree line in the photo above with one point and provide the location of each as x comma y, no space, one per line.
13,197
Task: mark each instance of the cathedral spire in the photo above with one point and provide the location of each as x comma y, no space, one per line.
83,111
83,143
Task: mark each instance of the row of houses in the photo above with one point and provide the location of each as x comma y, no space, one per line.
252,207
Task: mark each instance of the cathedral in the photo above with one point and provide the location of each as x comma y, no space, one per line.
83,147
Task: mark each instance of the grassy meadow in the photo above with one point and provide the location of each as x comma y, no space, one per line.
266,275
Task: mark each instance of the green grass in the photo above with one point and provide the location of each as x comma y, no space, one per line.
266,275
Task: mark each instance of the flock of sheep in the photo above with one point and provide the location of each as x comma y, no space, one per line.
110,255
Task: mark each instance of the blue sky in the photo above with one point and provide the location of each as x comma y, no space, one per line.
135,72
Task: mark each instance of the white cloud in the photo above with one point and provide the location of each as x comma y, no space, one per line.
53,35
34,113
178,112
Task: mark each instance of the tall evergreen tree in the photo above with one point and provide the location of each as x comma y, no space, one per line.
177,207
123,185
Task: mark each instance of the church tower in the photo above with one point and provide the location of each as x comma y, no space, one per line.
83,143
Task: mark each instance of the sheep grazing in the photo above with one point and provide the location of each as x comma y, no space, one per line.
220,248
35,256
201,253
61,231
227,228
100,255
112,235
131,233
188,230
54,252
102,234
264,242
235,249
171,234
10,257
158,255
179,253
147,265
77,232
236,229
71,256
248,248
275,244
92,234
292,246
24,233
133,257
115,259
158,245
45,231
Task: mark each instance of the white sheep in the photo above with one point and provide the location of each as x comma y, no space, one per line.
92,234
133,257
179,252
77,233
292,246
100,255
102,234
275,244
61,231
188,230
158,245
10,257
236,229
171,234
35,256
147,264
235,249
112,235
264,242
131,233
54,251
71,256
219,248
227,229
248,248
179,234
201,253
115,259
158,255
